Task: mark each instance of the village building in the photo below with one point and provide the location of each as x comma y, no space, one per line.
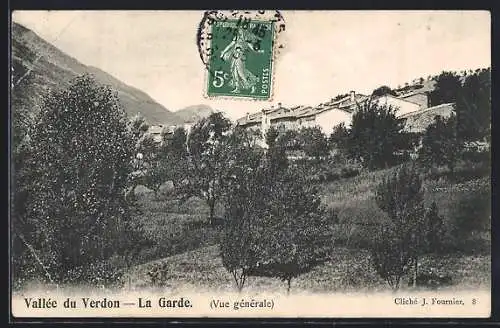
157,131
403,106
417,122
331,113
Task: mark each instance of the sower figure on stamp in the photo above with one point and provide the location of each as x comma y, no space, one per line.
236,53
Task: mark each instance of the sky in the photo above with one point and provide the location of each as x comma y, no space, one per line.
326,52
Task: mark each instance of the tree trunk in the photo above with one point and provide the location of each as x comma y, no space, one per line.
211,204
289,282
415,273
239,279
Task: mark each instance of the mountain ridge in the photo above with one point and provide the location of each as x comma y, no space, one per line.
194,113
45,67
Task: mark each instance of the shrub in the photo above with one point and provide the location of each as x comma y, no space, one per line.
435,229
349,172
432,279
391,256
476,156
472,214
104,273
401,240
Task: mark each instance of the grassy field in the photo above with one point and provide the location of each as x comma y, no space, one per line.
347,270
354,202
187,247
173,226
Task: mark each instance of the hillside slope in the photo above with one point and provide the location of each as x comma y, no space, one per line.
47,68
194,113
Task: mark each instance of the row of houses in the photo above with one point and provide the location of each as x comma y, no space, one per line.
331,113
412,106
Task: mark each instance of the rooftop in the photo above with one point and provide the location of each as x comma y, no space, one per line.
345,104
419,120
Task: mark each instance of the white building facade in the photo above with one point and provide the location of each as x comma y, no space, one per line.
329,114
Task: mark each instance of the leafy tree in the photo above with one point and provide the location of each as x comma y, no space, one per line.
155,175
241,137
339,137
177,145
289,140
375,135
314,142
447,89
272,135
152,166
276,157
208,150
148,147
401,240
275,225
244,204
382,91
473,107
21,121
296,234
138,126
75,215
440,145
174,157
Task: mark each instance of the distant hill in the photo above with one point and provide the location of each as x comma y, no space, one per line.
52,68
194,113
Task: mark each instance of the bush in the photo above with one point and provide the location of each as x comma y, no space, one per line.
105,273
466,211
391,258
472,214
349,172
475,156
401,241
158,275
327,170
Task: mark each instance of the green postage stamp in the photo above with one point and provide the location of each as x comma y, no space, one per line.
240,59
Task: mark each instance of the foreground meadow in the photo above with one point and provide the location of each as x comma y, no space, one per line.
185,252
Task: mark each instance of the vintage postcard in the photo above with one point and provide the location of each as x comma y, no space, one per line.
261,163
